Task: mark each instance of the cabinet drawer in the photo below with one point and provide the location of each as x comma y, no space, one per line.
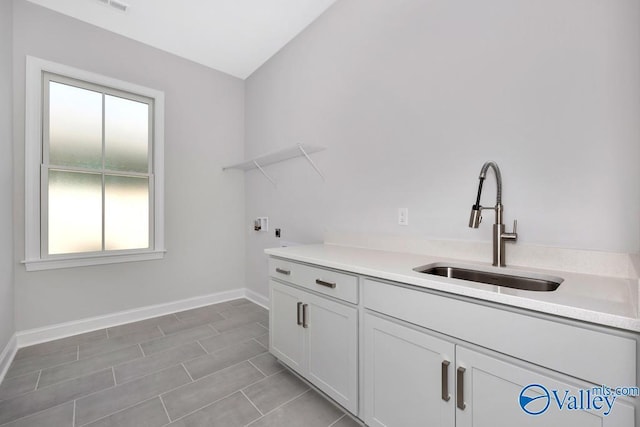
566,348
338,285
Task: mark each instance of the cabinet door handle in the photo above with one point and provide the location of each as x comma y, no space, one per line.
460,389
283,271
305,320
299,314
327,284
445,381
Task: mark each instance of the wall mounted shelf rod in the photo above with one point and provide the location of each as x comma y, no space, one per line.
264,173
311,161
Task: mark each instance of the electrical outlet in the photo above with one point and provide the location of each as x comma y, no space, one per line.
403,216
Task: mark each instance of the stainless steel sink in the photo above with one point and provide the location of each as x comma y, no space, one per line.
540,283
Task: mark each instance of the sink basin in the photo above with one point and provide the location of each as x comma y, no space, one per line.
526,283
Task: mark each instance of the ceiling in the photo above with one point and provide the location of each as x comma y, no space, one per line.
233,36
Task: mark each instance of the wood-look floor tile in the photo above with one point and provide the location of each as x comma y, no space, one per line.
267,364
141,326
98,405
275,390
57,394
309,410
205,311
86,366
12,387
58,416
191,322
263,340
150,413
232,411
242,310
222,359
223,347
119,342
36,363
201,393
177,339
346,421
233,336
156,362
226,324
57,345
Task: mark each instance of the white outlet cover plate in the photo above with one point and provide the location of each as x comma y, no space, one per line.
403,216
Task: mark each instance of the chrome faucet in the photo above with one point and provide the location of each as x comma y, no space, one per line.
499,233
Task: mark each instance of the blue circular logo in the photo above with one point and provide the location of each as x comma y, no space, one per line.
534,399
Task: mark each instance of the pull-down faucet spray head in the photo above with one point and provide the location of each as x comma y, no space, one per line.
476,217
476,210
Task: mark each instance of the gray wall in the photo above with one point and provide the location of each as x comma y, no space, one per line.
6,178
204,206
412,96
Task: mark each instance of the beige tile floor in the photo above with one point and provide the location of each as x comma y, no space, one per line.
203,367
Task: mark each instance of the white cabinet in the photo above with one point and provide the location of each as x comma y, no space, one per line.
568,347
412,379
491,389
433,359
286,339
318,338
408,377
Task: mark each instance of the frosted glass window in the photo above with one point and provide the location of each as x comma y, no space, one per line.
75,212
126,129
75,126
94,169
126,212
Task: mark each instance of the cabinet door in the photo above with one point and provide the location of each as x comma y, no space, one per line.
332,349
407,381
492,397
286,339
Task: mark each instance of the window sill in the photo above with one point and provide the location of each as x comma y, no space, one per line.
84,261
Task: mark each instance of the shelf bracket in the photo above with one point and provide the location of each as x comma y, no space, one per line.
264,173
304,153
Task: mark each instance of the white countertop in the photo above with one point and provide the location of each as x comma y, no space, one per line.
597,299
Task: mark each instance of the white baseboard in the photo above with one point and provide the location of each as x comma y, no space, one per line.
257,298
7,355
62,330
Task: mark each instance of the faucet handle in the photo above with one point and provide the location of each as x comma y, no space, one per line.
513,235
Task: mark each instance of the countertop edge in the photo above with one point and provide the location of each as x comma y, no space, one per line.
450,286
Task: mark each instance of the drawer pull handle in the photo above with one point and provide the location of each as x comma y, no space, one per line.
305,320
460,389
299,314
282,271
445,381
331,285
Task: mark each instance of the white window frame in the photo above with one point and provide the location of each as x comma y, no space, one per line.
34,258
